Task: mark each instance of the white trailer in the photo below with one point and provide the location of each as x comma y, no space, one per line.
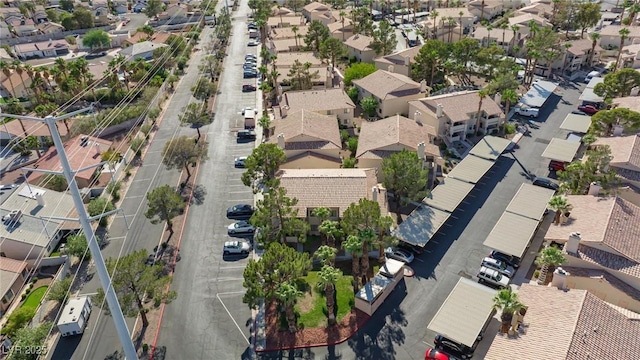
75,316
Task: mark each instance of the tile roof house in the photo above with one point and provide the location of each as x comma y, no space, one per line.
50,28
454,115
579,54
14,85
51,48
568,324
541,9
382,138
492,8
625,153
83,151
310,140
335,189
610,36
628,102
392,91
315,11
286,61
288,33
285,45
398,62
358,46
486,37
13,276
142,50
39,15
340,31
285,21
334,102
630,56
523,22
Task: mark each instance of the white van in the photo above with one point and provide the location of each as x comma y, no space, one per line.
524,110
591,75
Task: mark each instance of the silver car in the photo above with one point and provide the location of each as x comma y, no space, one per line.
491,276
399,254
239,161
236,247
241,227
496,264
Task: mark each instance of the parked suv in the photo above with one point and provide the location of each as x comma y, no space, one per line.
545,183
491,276
507,259
453,348
246,134
502,267
555,165
527,111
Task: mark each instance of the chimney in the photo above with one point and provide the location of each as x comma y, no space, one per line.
634,91
283,111
421,150
342,85
390,68
423,86
617,130
407,61
439,111
40,199
594,189
84,140
97,146
281,141
374,194
416,117
497,98
559,279
571,247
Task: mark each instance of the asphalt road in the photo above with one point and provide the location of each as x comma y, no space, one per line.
136,21
100,338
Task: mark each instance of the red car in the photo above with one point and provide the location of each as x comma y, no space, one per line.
588,109
248,88
433,354
555,165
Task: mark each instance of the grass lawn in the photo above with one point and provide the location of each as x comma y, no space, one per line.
33,300
312,308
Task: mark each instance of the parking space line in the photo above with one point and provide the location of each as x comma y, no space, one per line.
232,319
237,192
230,279
231,267
238,201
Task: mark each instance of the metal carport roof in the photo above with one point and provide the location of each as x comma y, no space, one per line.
589,96
490,147
421,225
511,234
471,169
538,93
561,150
576,123
448,194
530,201
465,312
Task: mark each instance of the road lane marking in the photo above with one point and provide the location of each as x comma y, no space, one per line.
147,179
232,319
230,279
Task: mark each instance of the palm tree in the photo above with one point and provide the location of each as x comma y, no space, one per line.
367,236
482,11
489,28
331,230
295,34
327,278
594,40
326,254
515,29
507,302
634,9
288,294
383,227
548,259
61,65
624,34
343,15
6,68
504,28
460,21
560,205
353,244
434,15
509,96
481,95
323,214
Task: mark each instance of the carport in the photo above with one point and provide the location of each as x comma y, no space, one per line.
511,234
448,194
538,93
530,201
465,313
576,123
590,97
561,150
471,169
421,225
490,147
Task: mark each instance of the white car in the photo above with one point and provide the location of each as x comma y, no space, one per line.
236,247
254,43
399,254
246,109
491,276
240,227
527,111
501,266
239,161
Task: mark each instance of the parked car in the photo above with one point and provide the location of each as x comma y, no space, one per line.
246,135
250,57
253,43
399,254
250,74
241,228
501,266
508,259
95,55
578,112
435,354
591,75
239,161
555,165
527,111
412,248
240,211
545,183
453,348
248,88
236,247
493,277
588,109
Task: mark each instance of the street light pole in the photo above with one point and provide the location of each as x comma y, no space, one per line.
101,268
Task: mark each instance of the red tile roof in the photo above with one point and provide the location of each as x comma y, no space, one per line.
79,156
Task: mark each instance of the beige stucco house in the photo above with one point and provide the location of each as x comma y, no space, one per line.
380,139
392,92
332,102
358,47
316,11
523,20
625,154
309,139
341,31
13,275
492,8
610,36
398,62
455,115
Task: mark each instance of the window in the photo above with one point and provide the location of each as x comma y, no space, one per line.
329,112
8,296
347,111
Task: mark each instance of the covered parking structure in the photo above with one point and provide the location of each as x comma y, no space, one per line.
490,147
561,150
471,169
576,123
448,194
538,94
530,201
511,234
465,313
421,225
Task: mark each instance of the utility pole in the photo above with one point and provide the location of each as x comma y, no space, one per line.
84,219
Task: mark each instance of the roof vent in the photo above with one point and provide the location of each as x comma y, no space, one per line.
84,141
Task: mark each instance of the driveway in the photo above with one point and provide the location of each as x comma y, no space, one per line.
136,21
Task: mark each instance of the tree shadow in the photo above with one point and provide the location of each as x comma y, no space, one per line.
295,354
198,194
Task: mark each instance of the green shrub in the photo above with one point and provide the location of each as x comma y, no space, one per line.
146,129
99,206
137,144
113,189
510,128
536,274
18,319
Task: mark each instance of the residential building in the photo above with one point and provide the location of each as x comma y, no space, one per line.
136,37
142,50
316,11
13,276
39,15
486,9
358,47
444,14
625,156
445,29
5,32
310,140
25,28
120,6
335,189
541,9
101,12
178,14
83,151
4,55
567,324
51,48
285,45
504,38
286,61
333,102
29,232
610,36
398,62
579,55
50,28
455,115
288,33
341,31
392,91
522,21
628,102
630,57
380,139
285,21
15,85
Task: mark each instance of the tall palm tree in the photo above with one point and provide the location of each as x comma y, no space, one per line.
624,34
367,236
287,293
515,29
62,66
353,244
489,28
482,11
509,96
383,228
434,15
560,205
460,21
327,278
594,36
507,302
7,71
343,16
504,28
634,9
331,230
326,254
295,34
548,259
481,95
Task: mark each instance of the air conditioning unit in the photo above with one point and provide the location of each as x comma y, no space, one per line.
14,216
